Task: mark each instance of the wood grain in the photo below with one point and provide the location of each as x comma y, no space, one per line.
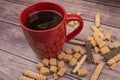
87,9
115,3
11,67
18,46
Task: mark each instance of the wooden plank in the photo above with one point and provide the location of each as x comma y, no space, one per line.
18,46
115,3
11,67
110,15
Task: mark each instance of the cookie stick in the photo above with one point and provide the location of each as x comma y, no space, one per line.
97,71
115,59
112,53
79,64
77,42
25,78
33,75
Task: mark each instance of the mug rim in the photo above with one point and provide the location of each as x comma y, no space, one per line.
29,7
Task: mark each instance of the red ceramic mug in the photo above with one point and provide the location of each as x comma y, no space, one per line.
48,43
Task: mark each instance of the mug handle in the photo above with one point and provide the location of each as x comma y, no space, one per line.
71,17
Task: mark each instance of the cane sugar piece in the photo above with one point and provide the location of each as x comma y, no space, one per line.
68,51
79,64
113,66
112,53
115,59
104,50
45,62
73,62
76,49
44,71
39,65
25,78
67,57
96,50
33,75
95,29
82,72
96,60
93,43
108,36
53,69
61,56
112,45
53,62
89,52
100,43
62,71
82,51
90,38
61,64
97,20
77,55
97,71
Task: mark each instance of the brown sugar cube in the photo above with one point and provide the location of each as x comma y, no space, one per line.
76,49
53,69
78,13
82,72
39,65
104,50
77,55
112,46
53,62
62,71
67,57
68,51
55,76
100,29
61,56
71,23
96,50
108,36
73,62
61,64
90,38
93,42
45,62
82,51
76,25
113,66
44,71
96,60
100,43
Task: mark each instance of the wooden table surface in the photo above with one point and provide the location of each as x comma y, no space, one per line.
15,53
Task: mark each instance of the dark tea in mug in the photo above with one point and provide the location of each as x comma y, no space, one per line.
43,20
